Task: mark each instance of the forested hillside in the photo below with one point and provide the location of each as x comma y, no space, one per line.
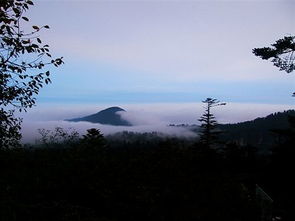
260,132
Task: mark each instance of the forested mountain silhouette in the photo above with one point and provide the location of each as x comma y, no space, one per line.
260,131
108,116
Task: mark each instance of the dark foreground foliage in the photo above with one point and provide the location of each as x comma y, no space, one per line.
166,179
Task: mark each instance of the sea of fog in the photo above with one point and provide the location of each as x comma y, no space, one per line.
144,117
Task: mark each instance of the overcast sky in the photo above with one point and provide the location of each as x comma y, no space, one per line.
164,51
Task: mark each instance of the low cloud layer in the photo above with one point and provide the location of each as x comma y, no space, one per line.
30,129
144,117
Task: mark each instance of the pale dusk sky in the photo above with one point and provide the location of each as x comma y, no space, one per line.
164,51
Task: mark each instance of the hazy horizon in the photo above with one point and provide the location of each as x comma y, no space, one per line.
148,117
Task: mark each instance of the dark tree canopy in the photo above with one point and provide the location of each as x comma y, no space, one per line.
94,138
281,53
9,129
23,57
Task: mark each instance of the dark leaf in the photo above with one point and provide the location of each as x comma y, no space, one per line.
30,2
25,18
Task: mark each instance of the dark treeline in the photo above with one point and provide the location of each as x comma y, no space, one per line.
132,176
261,132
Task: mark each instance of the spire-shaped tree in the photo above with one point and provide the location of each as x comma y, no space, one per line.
209,132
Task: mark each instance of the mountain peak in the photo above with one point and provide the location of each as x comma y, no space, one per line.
112,109
107,116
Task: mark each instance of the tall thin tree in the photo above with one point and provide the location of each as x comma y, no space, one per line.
209,131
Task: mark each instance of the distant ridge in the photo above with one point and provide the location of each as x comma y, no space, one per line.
107,116
258,132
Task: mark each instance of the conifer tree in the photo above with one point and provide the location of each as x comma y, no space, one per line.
281,54
209,131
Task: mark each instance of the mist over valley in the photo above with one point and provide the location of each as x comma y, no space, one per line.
139,117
